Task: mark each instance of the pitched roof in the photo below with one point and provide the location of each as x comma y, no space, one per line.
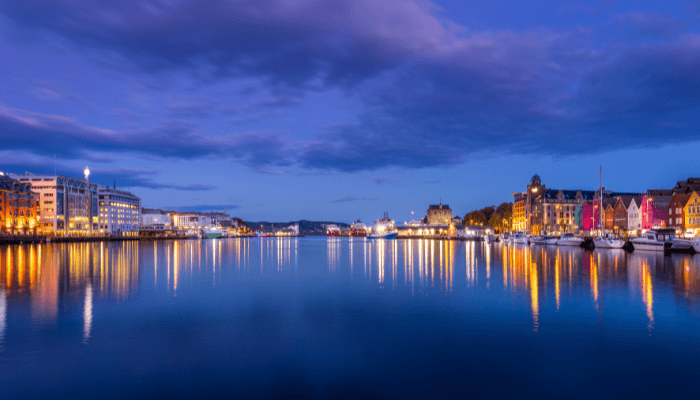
438,207
681,198
627,200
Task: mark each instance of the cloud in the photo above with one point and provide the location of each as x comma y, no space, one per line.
349,199
48,134
205,208
433,93
381,180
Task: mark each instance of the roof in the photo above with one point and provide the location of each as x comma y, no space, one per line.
13,185
659,192
438,207
569,194
627,200
681,198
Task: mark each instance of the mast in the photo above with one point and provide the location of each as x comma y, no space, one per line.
601,201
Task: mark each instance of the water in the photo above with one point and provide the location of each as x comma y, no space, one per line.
345,318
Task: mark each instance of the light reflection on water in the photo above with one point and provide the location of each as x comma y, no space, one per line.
547,287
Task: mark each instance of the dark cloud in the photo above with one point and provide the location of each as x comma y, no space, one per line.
349,199
141,178
51,134
433,94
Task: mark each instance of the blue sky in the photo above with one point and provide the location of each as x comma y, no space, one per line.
331,110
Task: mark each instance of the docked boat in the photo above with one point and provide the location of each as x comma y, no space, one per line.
212,233
492,238
551,240
506,237
695,243
332,230
358,229
608,242
384,228
537,241
194,235
652,240
568,239
519,238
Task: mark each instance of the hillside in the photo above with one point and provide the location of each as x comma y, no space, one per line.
305,227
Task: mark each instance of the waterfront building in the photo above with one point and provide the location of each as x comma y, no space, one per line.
676,212
439,214
634,216
120,212
19,207
608,213
692,214
654,208
68,206
519,222
621,214
220,219
189,221
549,210
155,217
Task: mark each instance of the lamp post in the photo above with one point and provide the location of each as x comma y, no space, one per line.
86,171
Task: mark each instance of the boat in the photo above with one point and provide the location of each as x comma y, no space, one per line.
332,230
384,228
262,234
389,235
551,240
358,229
608,242
194,235
537,241
568,239
519,238
492,238
212,233
506,237
652,240
605,241
680,244
695,243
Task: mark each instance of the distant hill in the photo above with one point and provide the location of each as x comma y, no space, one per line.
305,227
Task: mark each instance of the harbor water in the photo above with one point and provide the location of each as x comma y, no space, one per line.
321,317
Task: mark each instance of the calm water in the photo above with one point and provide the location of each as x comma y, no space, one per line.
346,318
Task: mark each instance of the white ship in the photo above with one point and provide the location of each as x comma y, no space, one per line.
608,242
650,241
519,238
384,228
212,233
568,239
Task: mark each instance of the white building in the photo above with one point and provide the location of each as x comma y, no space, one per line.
151,217
634,216
67,205
120,212
191,221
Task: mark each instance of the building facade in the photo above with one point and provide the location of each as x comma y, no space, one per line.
676,212
220,219
120,212
187,221
19,208
154,217
654,208
440,214
634,217
519,221
551,210
68,206
692,214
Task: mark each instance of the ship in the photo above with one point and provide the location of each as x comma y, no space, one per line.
332,230
212,233
358,229
384,228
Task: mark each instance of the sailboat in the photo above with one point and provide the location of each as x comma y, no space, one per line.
605,241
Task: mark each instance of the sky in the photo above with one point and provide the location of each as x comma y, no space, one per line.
342,110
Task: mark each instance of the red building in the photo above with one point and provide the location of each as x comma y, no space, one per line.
654,208
676,211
